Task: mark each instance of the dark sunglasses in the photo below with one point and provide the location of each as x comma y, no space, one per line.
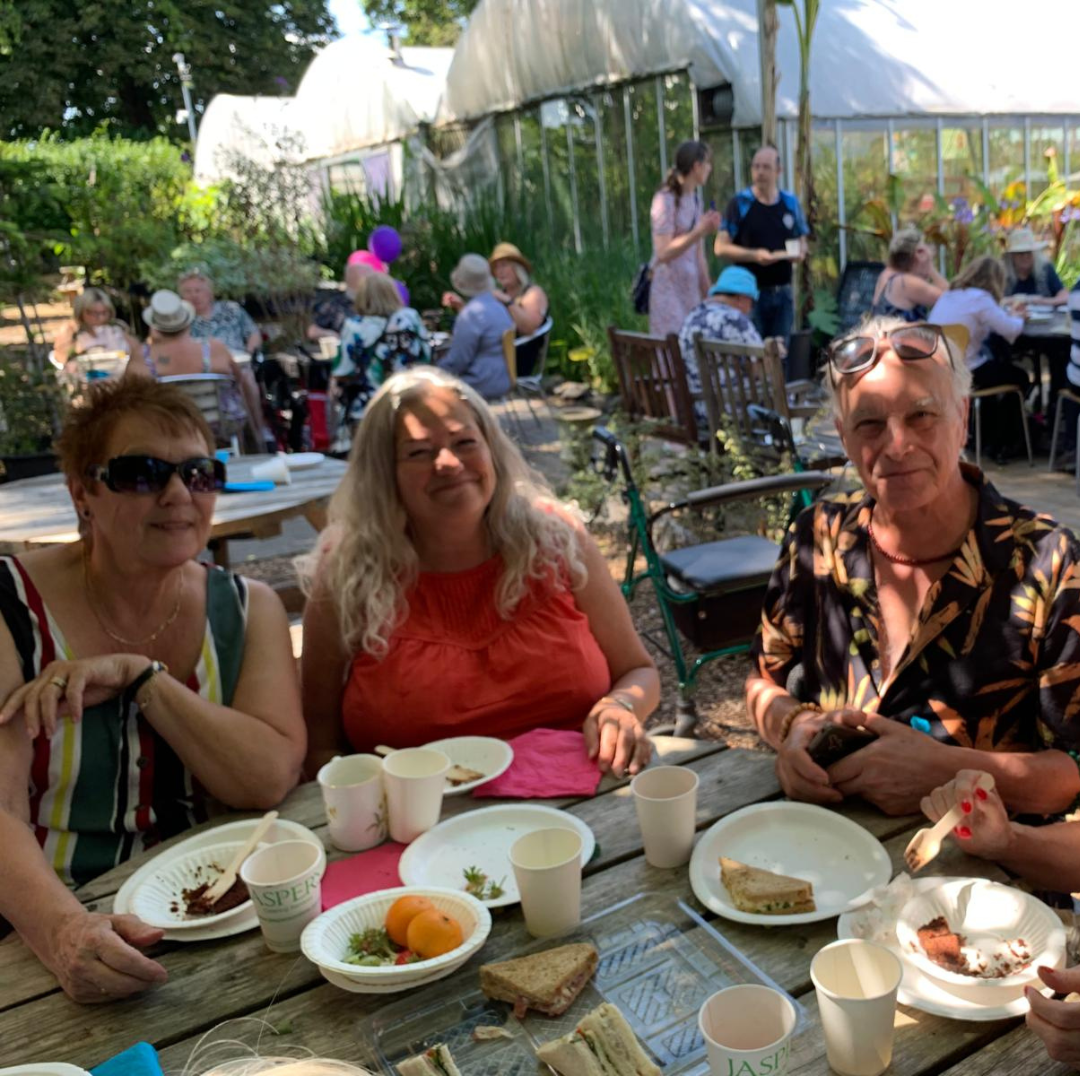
140,474
915,341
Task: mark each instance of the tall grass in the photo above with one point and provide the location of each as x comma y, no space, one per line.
586,292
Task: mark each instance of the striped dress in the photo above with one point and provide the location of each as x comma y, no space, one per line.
106,788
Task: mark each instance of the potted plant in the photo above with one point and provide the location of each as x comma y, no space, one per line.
31,407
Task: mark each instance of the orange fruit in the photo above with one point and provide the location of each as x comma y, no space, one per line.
402,912
432,933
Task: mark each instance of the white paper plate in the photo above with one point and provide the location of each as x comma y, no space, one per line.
45,1068
988,915
492,757
231,831
326,940
483,838
920,991
308,460
159,900
839,858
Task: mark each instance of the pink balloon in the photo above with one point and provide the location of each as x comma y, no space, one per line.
366,258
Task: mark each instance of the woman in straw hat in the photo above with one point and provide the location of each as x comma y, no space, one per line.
476,349
1029,272
172,350
524,299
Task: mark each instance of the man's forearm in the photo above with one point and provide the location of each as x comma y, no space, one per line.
735,253
1044,782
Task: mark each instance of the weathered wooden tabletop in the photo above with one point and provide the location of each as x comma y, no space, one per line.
39,511
238,977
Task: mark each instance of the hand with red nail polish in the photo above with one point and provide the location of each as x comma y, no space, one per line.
1057,1023
985,829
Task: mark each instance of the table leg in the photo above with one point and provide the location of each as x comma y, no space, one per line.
219,550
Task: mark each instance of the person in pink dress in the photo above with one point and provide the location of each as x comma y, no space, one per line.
680,276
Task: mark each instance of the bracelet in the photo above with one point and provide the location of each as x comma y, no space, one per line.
622,702
155,668
789,717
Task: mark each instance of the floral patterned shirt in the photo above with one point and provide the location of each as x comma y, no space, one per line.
994,660
228,322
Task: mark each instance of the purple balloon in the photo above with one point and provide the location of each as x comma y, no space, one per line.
385,243
403,291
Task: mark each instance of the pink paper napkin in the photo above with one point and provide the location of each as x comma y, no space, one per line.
546,763
363,873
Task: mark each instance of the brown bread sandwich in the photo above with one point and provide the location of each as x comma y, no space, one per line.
547,982
761,892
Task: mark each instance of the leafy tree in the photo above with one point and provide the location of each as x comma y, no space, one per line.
69,67
429,22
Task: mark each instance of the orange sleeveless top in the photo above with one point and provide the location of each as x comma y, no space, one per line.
455,667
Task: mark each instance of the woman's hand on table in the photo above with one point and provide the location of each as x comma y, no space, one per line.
616,738
985,829
800,778
1057,1023
66,687
97,957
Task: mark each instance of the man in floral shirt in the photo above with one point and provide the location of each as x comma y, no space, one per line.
225,320
927,595
724,315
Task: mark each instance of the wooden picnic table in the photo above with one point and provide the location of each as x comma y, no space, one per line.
239,977
38,512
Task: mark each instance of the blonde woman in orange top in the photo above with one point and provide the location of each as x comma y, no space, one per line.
452,595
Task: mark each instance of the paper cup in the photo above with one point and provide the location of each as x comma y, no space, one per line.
747,1031
856,983
793,248
666,801
275,469
547,868
352,790
328,347
414,781
285,883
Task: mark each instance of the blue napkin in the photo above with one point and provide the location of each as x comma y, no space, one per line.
138,1060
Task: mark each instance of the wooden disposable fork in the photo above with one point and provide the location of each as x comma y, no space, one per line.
926,843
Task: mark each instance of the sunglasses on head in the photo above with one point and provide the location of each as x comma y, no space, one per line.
140,474
915,341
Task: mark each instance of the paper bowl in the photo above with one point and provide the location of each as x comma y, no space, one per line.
158,895
989,916
326,940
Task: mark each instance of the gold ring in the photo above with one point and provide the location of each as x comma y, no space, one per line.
58,681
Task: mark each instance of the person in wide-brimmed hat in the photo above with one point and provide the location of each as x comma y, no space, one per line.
172,350
1029,272
476,349
524,299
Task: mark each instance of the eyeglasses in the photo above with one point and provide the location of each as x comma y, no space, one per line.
140,474
915,341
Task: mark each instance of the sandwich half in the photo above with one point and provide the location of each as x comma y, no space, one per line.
434,1062
603,1044
761,892
547,981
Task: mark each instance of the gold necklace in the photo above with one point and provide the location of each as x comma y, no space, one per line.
104,626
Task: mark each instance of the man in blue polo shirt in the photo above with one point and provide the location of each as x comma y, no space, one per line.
757,225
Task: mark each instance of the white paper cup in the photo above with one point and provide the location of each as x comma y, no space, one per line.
328,347
547,868
666,802
856,983
747,1031
793,247
285,883
352,790
414,781
276,469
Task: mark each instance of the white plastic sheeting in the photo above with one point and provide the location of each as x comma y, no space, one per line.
870,58
356,93
262,129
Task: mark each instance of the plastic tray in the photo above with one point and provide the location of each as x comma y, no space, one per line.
659,960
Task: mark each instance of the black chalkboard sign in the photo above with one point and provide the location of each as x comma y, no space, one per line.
855,296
